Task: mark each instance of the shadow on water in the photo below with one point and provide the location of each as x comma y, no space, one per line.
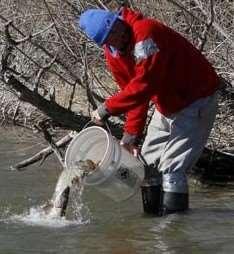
112,228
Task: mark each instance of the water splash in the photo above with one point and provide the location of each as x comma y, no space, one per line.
68,180
80,211
37,217
52,213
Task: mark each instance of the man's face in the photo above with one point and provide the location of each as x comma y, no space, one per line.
119,36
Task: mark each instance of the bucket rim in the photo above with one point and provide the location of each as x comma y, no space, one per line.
80,134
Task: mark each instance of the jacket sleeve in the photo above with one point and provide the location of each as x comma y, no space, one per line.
139,90
135,119
134,98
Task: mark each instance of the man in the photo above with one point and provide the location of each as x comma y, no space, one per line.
153,63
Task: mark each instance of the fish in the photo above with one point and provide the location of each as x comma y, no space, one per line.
57,206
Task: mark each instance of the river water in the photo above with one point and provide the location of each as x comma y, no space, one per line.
99,225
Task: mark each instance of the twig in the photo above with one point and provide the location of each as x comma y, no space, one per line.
7,50
21,166
99,2
41,72
31,36
48,137
15,112
85,77
72,6
99,83
58,32
72,97
210,21
41,67
52,109
59,62
214,24
73,75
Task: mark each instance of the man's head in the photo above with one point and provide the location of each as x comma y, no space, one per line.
105,27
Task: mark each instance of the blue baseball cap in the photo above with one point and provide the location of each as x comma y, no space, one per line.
97,24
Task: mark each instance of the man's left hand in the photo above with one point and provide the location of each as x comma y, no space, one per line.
95,117
133,149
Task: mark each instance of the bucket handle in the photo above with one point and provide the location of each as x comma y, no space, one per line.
139,156
87,124
107,127
142,159
105,124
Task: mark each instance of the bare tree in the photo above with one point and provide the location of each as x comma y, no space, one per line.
50,70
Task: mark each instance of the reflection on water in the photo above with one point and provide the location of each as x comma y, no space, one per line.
102,226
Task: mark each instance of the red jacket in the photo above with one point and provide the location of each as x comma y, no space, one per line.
161,66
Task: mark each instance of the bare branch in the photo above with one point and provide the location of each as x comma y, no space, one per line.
77,80
99,2
210,21
58,32
31,36
44,126
58,61
7,50
15,112
53,110
216,25
72,6
72,97
41,72
21,166
41,67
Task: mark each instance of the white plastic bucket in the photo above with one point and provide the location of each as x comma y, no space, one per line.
119,173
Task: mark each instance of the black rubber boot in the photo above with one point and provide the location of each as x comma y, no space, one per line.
151,198
173,202
152,192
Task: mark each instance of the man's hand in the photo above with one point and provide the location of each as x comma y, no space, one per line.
130,142
133,149
95,117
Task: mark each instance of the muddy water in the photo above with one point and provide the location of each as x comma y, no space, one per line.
99,225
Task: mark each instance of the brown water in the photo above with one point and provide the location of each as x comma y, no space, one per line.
97,224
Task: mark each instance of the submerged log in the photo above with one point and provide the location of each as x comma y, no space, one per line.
214,167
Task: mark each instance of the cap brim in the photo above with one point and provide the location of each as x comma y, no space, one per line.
109,29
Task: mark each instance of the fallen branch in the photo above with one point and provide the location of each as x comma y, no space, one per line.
21,166
59,114
44,127
74,76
